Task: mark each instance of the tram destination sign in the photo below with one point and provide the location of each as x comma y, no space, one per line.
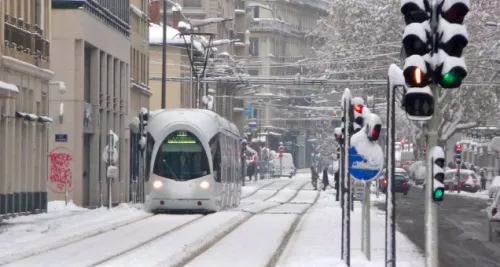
181,137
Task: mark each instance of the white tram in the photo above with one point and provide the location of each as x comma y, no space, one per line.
193,161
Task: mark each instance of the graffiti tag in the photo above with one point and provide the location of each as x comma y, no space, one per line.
60,170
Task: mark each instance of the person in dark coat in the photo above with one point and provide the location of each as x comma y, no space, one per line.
314,178
325,179
337,178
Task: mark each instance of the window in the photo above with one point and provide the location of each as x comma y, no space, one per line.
181,157
253,48
253,72
216,157
256,12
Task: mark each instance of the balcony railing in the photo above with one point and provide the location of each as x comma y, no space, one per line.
25,42
192,3
320,4
270,25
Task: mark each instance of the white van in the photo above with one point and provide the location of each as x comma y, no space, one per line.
287,165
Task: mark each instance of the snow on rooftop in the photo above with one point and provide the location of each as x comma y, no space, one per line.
173,37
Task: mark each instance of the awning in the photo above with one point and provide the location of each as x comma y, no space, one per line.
8,90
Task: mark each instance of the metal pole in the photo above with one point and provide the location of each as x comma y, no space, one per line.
390,204
431,241
66,197
164,59
342,192
191,74
347,180
367,221
110,151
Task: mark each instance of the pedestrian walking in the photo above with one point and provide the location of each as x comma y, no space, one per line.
314,178
325,178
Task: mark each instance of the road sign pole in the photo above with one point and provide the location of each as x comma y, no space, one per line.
366,220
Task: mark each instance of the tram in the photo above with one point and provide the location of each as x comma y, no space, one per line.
193,162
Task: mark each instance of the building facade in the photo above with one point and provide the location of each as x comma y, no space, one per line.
91,44
279,39
25,77
226,104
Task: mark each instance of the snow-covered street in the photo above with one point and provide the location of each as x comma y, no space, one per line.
280,222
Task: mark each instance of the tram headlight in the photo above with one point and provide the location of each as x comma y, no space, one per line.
205,185
157,184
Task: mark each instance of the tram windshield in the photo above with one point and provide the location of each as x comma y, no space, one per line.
181,157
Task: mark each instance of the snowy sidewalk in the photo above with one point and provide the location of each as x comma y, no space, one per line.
28,235
317,239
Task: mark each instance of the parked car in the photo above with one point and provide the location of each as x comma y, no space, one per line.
494,217
469,180
494,187
401,171
401,185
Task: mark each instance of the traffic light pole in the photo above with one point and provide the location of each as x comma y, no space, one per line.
390,203
431,220
346,194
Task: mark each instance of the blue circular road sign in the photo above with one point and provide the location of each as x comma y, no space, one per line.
362,169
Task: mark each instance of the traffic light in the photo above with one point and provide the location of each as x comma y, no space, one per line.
452,39
373,127
143,127
437,158
419,103
281,149
418,100
244,144
337,132
358,105
458,155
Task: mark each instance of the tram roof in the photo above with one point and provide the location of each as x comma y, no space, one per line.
208,121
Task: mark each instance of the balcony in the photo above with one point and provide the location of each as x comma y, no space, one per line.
319,4
264,25
192,4
241,37
25,42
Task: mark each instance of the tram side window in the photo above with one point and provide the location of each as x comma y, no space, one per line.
216,157
222,141
181,157
149,153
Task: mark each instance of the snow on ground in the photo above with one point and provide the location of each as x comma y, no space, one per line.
305,197
174,248
96,249
316,241
283,195
29,235
252,244
479,195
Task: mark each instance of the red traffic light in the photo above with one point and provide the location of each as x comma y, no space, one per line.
358,108
282,149
454,11
403,141
459,147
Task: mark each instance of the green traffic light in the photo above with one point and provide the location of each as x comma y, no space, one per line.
438,194
451,79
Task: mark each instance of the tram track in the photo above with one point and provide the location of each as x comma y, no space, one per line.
102,260
279,252
258,189
68,241
220,237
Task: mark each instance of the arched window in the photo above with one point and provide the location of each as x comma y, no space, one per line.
181,157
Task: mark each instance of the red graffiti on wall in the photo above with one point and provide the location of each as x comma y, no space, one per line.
60,170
